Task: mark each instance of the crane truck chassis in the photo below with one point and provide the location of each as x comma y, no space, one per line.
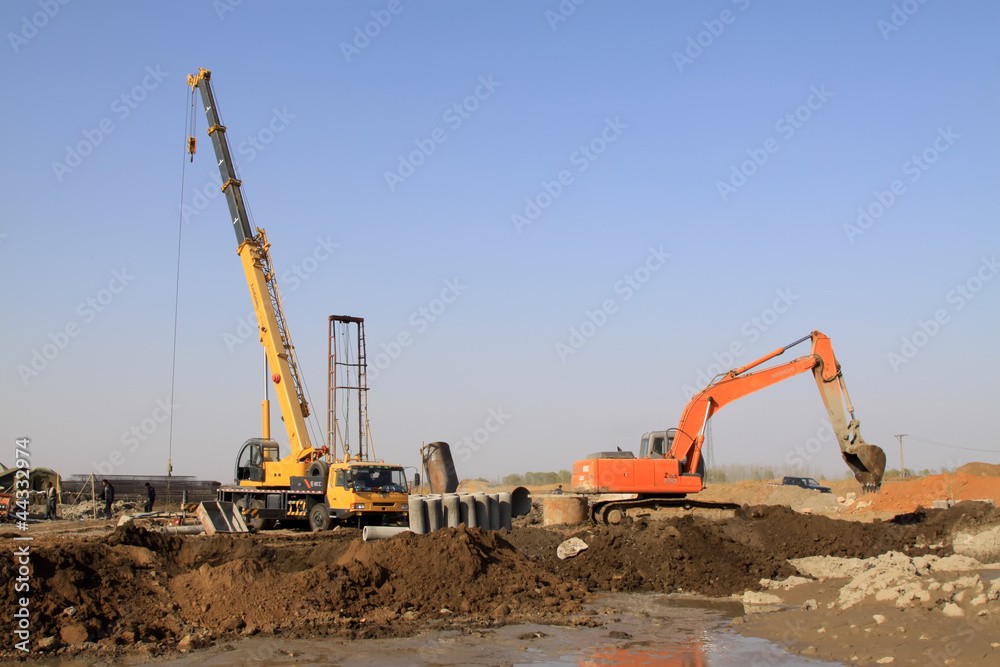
670,465
308,485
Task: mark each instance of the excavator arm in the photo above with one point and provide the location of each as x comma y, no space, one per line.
253,250
867,462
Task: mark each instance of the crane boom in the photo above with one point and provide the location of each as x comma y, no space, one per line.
253,250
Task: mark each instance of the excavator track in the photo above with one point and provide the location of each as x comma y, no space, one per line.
613,512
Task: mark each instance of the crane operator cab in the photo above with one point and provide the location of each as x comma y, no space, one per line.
250,462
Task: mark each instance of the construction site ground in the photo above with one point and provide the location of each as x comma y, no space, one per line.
665,585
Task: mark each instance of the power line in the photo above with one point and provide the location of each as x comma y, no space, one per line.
941,444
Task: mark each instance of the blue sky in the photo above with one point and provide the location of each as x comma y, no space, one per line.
670,180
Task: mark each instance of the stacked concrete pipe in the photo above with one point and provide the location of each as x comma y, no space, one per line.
489,511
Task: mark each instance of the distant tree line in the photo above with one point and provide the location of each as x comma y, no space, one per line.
537,478
740,472
910,472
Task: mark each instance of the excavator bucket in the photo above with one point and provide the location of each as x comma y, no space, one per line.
868,464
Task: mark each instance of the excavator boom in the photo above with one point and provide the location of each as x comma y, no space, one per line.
867,462
670,463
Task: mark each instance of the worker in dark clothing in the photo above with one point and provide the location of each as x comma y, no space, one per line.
50,502
150,497
109,498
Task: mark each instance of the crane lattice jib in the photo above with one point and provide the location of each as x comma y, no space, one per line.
254,251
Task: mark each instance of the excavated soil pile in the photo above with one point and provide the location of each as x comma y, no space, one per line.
981,469
166,591
906,495
137,590
723,557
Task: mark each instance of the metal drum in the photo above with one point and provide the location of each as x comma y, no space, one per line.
440,468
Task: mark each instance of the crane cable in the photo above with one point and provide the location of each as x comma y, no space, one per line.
189,121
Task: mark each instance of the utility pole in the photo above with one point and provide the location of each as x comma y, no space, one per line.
900,436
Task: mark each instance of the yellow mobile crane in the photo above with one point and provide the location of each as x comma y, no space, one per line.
309,484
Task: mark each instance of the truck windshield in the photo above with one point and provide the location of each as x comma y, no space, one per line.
379,479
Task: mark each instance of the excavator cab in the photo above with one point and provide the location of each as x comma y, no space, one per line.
656,444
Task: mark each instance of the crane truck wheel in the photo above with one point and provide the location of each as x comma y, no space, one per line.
244,505
319,517
318,469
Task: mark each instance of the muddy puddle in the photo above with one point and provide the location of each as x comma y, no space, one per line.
635,630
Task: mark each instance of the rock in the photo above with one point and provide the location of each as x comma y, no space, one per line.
74,633
785,584
886,571
958,597
810,605
879,619
955,563
828,567
758,598
983,545
188,643
125,520
233,623
841,499
570,548
810,650
979,600
952,610
49,643
500,612
934,585
886,660
966,582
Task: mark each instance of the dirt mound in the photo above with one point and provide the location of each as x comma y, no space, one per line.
137,586
694,554
906,496
981,469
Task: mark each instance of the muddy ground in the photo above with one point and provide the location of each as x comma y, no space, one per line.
125,593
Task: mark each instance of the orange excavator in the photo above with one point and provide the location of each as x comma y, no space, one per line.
670,464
